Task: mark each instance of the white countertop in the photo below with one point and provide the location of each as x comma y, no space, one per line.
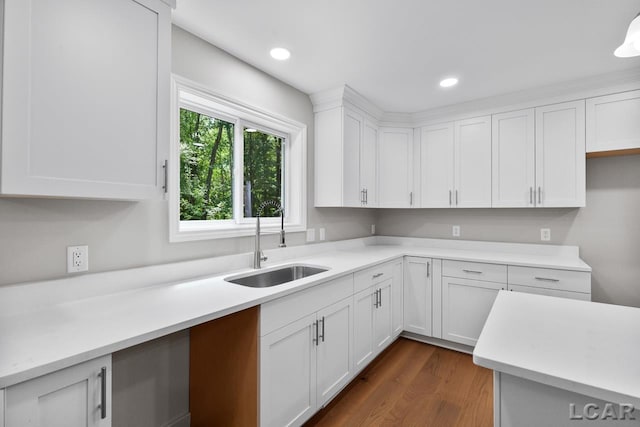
47,326
585,347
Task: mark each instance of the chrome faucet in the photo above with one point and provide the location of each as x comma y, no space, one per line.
258,255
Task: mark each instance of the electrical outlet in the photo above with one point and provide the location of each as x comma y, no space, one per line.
321,234
373,229
77,259
311,235
545,234
456,231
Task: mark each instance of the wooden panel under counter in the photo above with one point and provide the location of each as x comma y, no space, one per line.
223,371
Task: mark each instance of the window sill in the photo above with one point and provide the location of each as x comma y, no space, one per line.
227,232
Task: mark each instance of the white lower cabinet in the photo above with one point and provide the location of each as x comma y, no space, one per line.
466,305
397,298
372,326
79,396
418,281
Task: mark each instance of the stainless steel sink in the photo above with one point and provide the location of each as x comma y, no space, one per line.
278,276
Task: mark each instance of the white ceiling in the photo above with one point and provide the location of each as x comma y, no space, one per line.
395,52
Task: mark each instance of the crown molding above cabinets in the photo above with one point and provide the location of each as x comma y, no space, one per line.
91,121
504,152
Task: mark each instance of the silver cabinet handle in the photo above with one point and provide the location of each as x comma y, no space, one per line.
315,337
165,166
366,196
449,197
322,335
428,274
530,195
539,195
103,392
547,279
472,271
362,197
375,276
411,198
380,296
456,197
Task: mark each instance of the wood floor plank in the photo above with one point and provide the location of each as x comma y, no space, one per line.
414,384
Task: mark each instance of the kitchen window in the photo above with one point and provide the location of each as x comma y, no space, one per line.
228,158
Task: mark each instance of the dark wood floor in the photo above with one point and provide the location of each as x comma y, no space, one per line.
414,384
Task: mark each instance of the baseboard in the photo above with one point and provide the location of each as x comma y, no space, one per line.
439,342
182,421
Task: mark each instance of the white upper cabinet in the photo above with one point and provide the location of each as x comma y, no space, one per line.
560,155
514,153
455,164
345,158
395,173
436,166
473,163
85,98
613,122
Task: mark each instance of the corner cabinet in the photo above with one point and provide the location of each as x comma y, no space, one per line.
79,396
345,158
85,98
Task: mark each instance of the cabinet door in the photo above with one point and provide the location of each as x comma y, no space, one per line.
465,307
382,317
397,298
353,123
560,155
612,122
436,166
395,168
473,163
334,354
288,374
363,306
513,167
369,164
418,295
70,397
91,120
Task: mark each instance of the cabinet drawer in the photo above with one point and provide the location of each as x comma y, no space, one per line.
364,279
475,270
282,311
564,280
550,292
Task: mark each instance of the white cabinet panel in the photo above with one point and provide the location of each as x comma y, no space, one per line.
436,166
352,138
395,179
334,355
397,298
288,374
613,122
1,407
369,165
560,155
363,306
85,116
465,307
418,295
382,317
71,397
513,152
563,280
473,162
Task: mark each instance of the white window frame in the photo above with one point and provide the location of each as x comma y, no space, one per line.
190,95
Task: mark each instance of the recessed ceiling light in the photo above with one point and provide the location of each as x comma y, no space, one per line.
448,82
280,53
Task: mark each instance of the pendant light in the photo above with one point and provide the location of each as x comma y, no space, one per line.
631,45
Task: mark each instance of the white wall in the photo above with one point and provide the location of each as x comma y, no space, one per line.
607,230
